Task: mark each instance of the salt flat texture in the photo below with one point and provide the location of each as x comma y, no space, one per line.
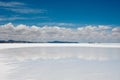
22,45
51,61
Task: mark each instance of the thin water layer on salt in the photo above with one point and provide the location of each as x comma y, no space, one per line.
61,62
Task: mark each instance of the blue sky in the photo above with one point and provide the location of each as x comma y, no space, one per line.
50,20
79,12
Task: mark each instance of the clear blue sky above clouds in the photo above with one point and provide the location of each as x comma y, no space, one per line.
82,20
91,12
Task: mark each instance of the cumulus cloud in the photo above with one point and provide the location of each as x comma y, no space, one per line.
56,53
55,33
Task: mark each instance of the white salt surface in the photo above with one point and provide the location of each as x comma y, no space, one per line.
63,61
23,45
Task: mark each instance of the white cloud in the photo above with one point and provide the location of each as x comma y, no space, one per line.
117,29
52,33
26,10
57,24
13,18
11,4
19,8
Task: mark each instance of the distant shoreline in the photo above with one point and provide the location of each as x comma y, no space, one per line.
23,45
15,41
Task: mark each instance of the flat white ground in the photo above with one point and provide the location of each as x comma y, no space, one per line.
22,45
63,61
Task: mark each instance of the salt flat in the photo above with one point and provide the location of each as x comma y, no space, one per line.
22,45
35,61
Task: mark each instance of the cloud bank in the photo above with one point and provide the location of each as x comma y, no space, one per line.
89,33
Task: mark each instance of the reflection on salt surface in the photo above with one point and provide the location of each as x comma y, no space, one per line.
60,63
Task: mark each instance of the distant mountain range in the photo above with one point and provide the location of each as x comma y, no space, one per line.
14,41
61,42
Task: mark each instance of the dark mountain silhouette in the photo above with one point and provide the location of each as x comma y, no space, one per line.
61,42
14,41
